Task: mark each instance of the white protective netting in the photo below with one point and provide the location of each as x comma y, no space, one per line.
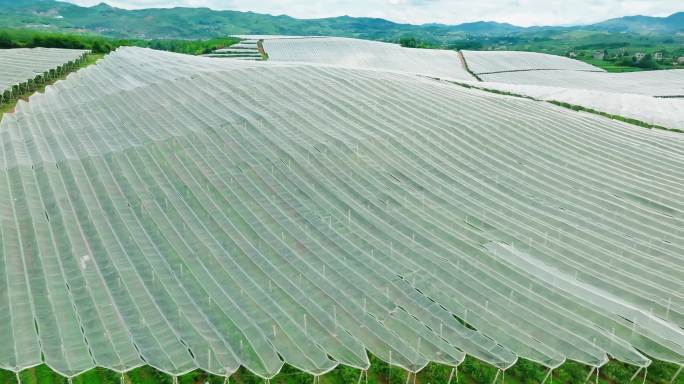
665,112
246,49
652,97
484,62
21,65
187,212
366,54
664,83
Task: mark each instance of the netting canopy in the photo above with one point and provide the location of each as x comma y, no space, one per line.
188,212
667,112
487,62
664,84
366,54
20,65
651,97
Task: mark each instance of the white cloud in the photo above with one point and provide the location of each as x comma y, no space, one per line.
519,12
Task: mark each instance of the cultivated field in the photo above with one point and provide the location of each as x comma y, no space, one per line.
669,83
363,54
484,62
198,213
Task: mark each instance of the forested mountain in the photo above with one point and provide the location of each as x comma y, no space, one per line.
193,23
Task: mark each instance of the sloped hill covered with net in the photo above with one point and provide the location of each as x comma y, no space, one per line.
665,83
187,212
653,98
487,62
366,54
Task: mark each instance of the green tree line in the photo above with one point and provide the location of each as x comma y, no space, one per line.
11,38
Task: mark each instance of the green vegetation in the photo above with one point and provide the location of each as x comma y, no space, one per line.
18,38
102,28
614,52
470,371
611,66
469,44
644,58
611,51
204,23
25,38
412,42
190,47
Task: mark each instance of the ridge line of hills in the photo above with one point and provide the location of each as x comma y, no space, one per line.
196,23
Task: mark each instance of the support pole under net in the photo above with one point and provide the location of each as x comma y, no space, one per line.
548,374
676,374
636,374
496,377
590,373
410,375
454,372
389,369
364,372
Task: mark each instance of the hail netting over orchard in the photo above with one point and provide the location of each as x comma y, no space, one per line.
20,66
654,97
187,212
668,83
365,54
484,62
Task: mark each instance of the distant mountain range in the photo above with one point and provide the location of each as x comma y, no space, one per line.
672,24
192,23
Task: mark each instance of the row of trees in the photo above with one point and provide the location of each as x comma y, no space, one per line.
646,62
412,42
32,39
98,44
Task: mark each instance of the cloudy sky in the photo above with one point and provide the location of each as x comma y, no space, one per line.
519,12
